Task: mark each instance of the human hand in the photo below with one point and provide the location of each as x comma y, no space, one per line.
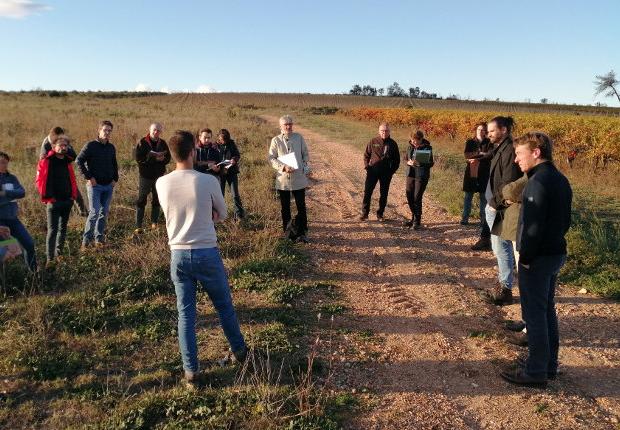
215,215
5,232
113,183
92,181
508,202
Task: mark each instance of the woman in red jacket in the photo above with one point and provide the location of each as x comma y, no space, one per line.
58,189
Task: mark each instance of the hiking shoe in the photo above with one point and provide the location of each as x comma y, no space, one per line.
520,362
513,325
303,239
233,357
463,222
519,339
380,218
499,296
363,217
138,231
518,376
408,224
191,380
483,244
154,226
417,227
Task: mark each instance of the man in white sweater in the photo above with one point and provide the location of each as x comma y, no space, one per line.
192,202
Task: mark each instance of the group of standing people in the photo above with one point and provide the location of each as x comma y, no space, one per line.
381,162
525,205
525,211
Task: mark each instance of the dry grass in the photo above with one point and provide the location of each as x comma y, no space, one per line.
94,344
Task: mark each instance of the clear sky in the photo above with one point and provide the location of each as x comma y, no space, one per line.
512,50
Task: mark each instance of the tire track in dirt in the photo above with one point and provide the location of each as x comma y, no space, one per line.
439,350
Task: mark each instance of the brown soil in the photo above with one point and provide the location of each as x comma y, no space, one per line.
416,342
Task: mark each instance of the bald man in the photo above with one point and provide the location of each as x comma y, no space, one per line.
152,155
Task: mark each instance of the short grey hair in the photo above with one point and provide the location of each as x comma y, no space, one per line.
286,119
156,125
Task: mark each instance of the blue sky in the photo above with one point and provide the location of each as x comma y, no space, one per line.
494,49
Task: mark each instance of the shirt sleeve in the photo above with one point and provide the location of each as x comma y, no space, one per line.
81,162
534,209
273,155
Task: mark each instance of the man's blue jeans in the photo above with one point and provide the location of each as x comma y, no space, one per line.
537,290
99,199
503,252
188,267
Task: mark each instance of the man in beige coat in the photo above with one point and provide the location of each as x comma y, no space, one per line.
291,178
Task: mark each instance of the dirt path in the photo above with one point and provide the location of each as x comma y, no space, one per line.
416,341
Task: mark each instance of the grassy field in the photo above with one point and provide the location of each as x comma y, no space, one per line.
94,344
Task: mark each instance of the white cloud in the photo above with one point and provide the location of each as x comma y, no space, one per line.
165,90
205,89
142,87
18,9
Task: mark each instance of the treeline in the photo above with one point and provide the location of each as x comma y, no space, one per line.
97,94
394,90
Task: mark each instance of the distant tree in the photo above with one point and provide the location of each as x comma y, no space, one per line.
607,83
453,97
367,90
544,100
395,90
381,91
414,93
356,90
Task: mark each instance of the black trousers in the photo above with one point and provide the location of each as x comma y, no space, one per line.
233,183
415,191
300,202
372,177
57,219
145,187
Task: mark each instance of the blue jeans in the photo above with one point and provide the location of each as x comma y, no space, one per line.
503,252
233,183
467,199
537,290
188,267
99,199
19,232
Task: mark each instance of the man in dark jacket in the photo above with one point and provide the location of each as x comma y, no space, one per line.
543,223
381,161
152,155
97,163
503,171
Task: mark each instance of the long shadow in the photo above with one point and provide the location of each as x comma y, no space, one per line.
601,381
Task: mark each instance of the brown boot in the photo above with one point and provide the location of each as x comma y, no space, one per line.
499,296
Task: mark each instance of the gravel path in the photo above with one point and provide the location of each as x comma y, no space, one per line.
416,342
